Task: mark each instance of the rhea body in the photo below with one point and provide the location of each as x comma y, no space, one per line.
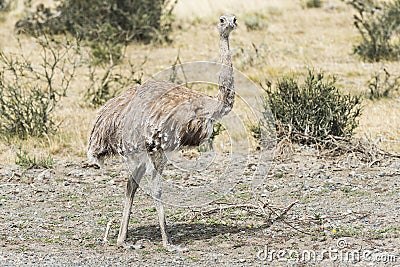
148,120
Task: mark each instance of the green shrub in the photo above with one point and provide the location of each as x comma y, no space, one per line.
104,24
313,110
4,8
4,5
313,3
255,21
379,26
29,92
218,128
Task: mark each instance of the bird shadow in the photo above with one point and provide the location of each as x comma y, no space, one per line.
186,232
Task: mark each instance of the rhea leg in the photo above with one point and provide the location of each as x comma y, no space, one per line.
156,194
131,187
159,161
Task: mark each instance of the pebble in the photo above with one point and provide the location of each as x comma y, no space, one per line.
46,174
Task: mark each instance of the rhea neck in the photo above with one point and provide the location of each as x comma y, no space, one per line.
226,92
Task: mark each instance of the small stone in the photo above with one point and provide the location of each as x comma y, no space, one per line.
265,193
136,246
46,174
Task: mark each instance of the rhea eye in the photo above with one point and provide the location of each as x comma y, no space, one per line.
221,20
234,20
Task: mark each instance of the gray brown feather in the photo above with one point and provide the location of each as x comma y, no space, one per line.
163,115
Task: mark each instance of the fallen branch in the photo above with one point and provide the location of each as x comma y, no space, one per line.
333,146
9,185
221,208
282,214
108,227
261,208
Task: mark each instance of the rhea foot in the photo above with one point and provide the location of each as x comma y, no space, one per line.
175,248
126,245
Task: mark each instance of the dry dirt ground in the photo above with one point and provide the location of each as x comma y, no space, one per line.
344,211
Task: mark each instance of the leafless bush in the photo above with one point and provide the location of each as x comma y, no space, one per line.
383,84
251,56
29,92
105,82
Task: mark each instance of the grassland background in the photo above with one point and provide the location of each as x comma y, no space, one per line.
294,40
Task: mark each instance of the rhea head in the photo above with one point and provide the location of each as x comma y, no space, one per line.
227,23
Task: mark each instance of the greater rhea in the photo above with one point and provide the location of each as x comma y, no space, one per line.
148,120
